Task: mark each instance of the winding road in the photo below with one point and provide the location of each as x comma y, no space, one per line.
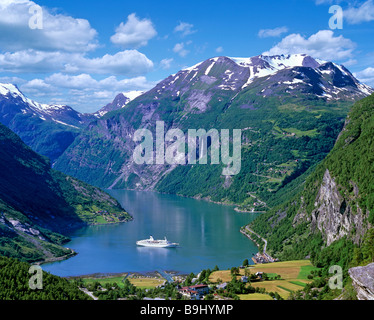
251,231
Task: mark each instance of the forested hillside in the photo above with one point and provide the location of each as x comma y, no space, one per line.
14,284
39,206
331,220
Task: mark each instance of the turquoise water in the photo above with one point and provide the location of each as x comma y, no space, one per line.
208,235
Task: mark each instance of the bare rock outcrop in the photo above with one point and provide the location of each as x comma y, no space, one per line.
363,281
333,215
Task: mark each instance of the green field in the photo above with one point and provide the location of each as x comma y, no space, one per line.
140,282
255,296
103,281
300,133
294,277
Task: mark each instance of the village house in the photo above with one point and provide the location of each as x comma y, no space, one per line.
222,286
195,292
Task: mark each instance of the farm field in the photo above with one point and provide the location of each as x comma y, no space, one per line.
255,296
146,283
138,281
294,276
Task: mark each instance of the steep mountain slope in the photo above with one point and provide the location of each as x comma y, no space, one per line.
14,284
290,110
335,210
39,204
119,102
47,129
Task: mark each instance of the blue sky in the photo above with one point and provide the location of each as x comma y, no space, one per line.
88,51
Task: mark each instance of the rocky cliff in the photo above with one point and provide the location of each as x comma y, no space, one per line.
290,110
337,200
39,206
333,216
363,281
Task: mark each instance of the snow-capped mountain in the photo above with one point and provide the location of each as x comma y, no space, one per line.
281,73
328,73
120,101
265,96
47,129
13,101
213,85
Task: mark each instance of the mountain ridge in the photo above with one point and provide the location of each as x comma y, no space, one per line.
296,106
39,206
47,128
336,206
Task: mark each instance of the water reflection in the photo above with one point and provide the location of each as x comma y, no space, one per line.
208,235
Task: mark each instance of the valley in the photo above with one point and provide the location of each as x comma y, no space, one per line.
176,159
290,195
39,206
286,129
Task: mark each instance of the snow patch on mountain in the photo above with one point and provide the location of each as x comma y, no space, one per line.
8,90
131,95
262,66
120,101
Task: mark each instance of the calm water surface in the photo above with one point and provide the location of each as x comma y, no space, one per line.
208,235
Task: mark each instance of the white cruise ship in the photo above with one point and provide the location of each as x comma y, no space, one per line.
156,243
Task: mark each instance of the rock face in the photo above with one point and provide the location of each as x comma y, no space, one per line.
363,281
38,205
221,93
120,101
333,215
47,129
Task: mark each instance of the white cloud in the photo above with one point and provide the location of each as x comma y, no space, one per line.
185,28
276,32
7,79
37,84
128,62
134,33
86,81
363,13
350,62
318,2
366,76
64,47
109,83
82,92
166,63
219,49
60,32
323,45
180,49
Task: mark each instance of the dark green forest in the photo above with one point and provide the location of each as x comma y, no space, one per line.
14,284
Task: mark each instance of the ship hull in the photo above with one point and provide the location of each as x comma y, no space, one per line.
157,245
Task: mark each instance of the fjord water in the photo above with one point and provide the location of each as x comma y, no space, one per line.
208,235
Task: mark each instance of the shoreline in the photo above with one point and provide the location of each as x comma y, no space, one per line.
246,211
197,197
73,253
57,259
172,273
243,231
129,274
